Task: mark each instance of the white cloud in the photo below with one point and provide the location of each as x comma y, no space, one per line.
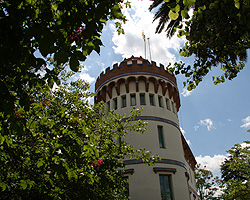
229,120
208,123
196,128
211,163
131,43
243,145
86,77
186,93
246,122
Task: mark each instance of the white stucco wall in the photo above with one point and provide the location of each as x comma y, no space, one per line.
144,183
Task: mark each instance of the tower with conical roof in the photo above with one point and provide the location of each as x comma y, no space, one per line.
136,82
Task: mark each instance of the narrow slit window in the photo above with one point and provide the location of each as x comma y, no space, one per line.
168,104
132,100
161,137
124,103
115,103
160,101
142,99
151,99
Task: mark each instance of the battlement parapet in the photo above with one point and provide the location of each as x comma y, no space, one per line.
133,65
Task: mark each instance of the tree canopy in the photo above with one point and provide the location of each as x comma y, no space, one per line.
53,144
205,184
217,34
38,38
234,180
63,148
236,173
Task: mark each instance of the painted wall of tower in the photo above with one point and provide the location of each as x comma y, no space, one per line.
139,83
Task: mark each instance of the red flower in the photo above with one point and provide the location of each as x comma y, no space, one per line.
98,164
19,116
82,116
78,35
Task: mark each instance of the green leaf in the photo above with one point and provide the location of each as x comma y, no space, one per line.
61,57
44,47
79,55
1,139
23,184
56,160
172,15
184,14
50,82
3,186
74,63
237,4
40,162
189,3
177,8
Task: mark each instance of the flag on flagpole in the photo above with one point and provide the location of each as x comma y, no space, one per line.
143,36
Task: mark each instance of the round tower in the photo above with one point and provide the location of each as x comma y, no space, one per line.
136,82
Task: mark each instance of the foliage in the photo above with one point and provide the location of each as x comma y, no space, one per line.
236,173
38,38
217,35
204,182
53,144
63,148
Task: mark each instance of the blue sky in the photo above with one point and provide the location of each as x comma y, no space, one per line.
213,118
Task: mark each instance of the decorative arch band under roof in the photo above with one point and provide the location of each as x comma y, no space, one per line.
136,68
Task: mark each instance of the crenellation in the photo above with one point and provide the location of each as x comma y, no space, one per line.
107,70
144,61
153,63
115,66
133,65
123,64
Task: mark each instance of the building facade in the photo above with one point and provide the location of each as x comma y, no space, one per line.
136,82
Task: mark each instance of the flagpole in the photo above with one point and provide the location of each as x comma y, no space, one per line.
143,36
149,50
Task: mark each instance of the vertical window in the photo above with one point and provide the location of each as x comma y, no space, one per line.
166,188
115,103
173,107
142,99
151,99
108,106
160,101
168,104
132,100
161,137
124,104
